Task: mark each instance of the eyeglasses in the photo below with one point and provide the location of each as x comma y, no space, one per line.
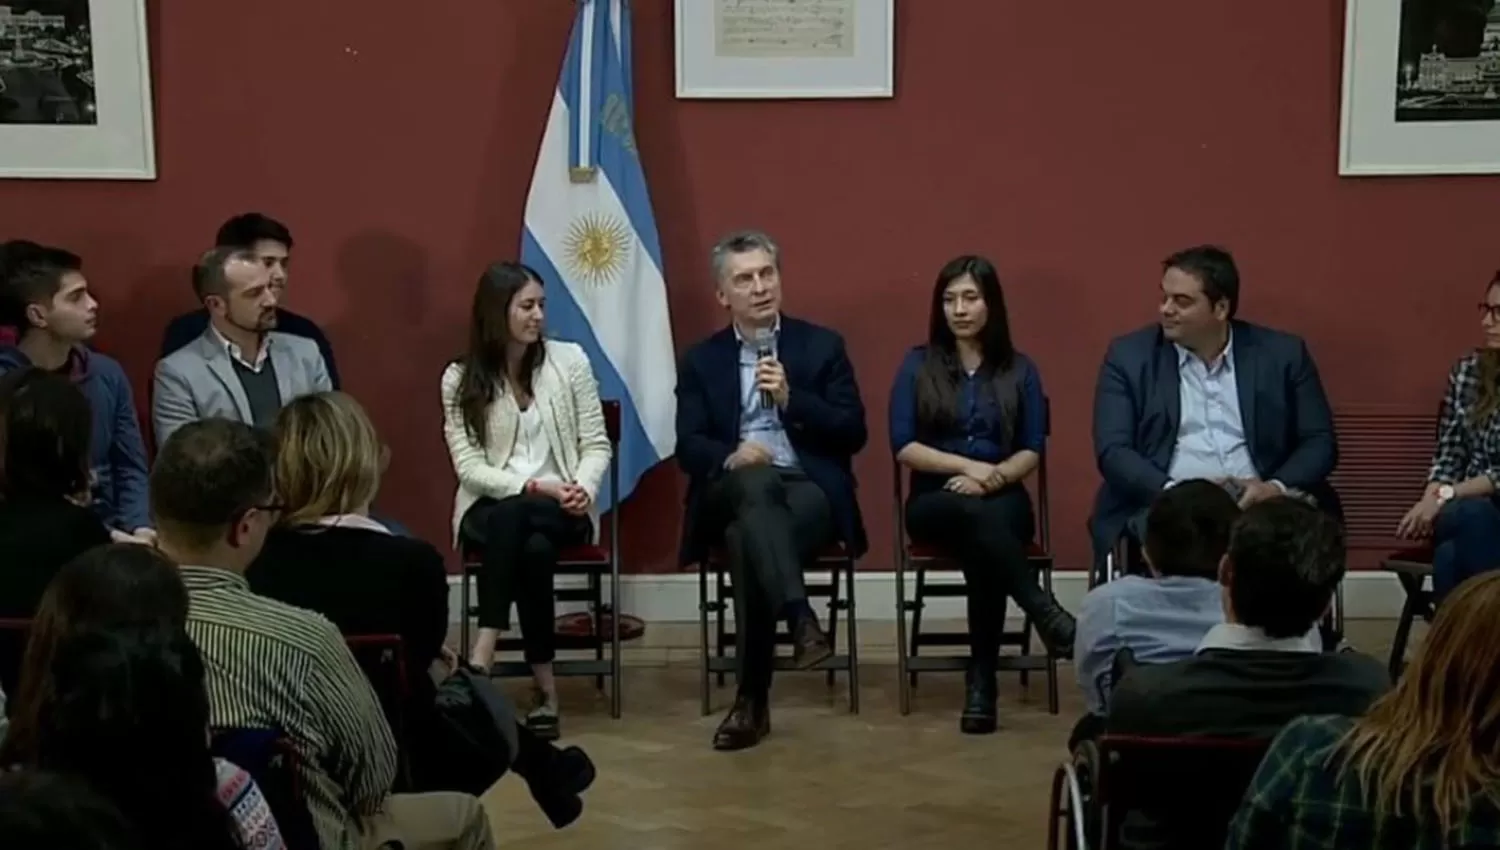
1489,311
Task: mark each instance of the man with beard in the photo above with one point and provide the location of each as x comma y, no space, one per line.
239,368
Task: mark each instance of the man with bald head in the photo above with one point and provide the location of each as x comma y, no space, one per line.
240,368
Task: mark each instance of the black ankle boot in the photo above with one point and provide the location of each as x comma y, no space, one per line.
1053,624
980,716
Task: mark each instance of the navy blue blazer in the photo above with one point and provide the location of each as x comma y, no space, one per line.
824,419
1137,409
189,326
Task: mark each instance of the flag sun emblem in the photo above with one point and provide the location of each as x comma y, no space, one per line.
598,244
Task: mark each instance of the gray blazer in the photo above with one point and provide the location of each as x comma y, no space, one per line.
198,381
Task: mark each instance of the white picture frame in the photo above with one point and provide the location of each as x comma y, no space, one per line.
1419,113
62,122
775,49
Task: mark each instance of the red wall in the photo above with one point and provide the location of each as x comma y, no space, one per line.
1074,148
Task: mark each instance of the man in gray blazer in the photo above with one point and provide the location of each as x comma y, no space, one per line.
240,368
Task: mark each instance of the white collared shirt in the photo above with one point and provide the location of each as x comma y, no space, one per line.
359,521
1235,636
237,355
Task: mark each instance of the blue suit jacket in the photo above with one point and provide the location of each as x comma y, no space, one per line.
1137,408
824,419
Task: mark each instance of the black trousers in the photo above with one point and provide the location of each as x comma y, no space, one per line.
987,535
773,522
521,537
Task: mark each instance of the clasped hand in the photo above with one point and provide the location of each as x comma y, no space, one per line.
977,479
572,497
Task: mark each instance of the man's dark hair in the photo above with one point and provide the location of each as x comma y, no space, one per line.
45,427
1287,559
206,476
1187,529
246,229
211,275
42,809
1213,267
31,274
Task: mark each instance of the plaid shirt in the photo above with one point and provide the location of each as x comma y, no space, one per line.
1465,450
1298,801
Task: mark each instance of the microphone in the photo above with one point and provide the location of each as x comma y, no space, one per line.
765,340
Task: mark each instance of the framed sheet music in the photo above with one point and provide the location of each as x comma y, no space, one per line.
785,48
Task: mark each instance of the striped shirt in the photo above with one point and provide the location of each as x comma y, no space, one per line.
273,666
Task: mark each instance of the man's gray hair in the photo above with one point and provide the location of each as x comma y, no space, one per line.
742,242
210,274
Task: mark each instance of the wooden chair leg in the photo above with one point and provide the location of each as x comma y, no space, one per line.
833,617
703,645
904,684
852,619
463,611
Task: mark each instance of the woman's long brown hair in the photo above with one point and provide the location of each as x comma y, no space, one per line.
1432,745
1487,394
484,369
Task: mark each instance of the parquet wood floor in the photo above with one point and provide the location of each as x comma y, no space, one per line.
825,779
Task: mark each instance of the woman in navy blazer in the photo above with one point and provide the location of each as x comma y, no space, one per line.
968,419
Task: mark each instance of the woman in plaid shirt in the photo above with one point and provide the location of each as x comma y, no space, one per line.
1459,511
1420,771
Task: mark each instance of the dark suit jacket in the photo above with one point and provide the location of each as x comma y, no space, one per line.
824,419
189,326
1243,693
1137,409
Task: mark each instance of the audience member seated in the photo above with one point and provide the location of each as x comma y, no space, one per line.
1264,664
113,691
44,485
273,666
1163,617
968,418
49,811
768,420
1204,395
526,434
1420,770
1460,509
240,368
327,555
271,242
44,295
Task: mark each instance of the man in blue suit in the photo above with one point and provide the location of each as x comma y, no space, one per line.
1203,395
768,418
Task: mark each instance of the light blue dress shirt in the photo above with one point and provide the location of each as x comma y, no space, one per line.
1211,434
1159,619
759,423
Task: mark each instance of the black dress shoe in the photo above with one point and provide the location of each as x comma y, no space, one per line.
810,645
568,773
747,722
980,716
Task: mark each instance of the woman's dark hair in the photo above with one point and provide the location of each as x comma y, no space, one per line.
941,373
126,709
484,372
45,427
118,586
41,809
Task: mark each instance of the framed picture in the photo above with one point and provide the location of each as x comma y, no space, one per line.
1421,88
786,48
75,90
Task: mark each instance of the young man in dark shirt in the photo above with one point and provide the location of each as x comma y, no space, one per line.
45,299
271,242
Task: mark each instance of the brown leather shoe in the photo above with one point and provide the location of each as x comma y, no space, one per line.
744,726
810,645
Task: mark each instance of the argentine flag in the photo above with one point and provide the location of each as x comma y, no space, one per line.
591,236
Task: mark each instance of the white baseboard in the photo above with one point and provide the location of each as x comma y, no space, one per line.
673,598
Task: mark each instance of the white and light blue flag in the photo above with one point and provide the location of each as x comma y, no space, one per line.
591,236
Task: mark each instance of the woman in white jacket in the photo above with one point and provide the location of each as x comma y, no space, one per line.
526,434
